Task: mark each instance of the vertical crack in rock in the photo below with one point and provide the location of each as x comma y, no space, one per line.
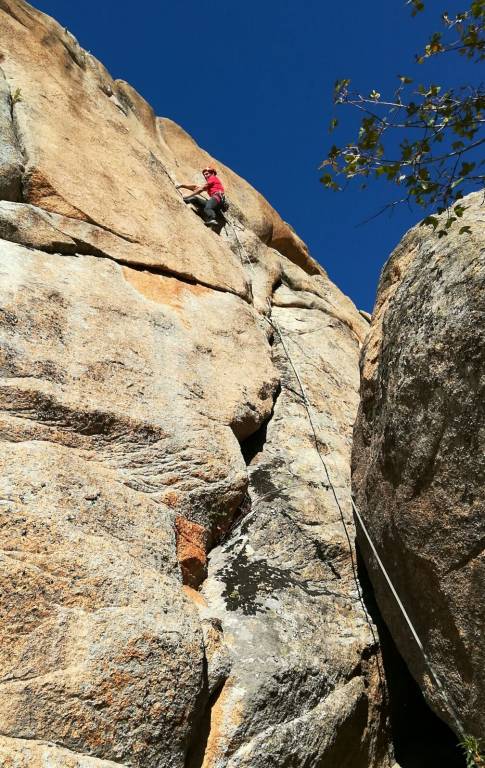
200,747
255,443
193,546
11,156
215,673
250,448
194,541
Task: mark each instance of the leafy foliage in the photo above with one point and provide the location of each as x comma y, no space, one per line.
424,138
473,754
17,96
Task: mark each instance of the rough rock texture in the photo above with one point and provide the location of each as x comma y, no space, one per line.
19,753
418,460
11,161
282,583
177,588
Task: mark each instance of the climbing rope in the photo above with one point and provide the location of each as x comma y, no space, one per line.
432,672
327,486
330,486
242,250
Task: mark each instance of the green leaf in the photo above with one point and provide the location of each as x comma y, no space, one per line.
340,88
432,220
418,6
467,168
466,230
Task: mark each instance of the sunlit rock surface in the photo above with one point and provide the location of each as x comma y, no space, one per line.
177,588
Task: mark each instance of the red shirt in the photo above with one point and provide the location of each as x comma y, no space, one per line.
214,185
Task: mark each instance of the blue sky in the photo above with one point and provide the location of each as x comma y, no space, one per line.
252,83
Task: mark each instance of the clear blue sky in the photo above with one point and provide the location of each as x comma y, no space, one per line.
252,83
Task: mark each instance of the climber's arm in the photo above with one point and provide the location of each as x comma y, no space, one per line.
198,190
193,188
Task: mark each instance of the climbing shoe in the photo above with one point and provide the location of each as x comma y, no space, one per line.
211,223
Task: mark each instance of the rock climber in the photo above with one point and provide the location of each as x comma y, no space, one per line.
214,188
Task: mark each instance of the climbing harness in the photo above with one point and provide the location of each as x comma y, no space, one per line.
223,203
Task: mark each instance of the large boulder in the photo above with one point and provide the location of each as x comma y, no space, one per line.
177,582
418,458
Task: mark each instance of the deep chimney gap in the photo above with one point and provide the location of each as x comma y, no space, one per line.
420,738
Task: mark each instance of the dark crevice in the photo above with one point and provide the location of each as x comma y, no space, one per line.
182,276
420,738
74,51
241,512
18,143
277,284
250,448
202,725
254,444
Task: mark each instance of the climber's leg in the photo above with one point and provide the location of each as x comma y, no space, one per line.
198,202
210,208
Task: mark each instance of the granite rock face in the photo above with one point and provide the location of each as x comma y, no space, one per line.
177,586
418,457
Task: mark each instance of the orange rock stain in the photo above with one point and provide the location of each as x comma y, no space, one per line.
163,290
195,596
192,540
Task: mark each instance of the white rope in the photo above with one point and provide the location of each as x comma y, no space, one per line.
435,678
240,246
